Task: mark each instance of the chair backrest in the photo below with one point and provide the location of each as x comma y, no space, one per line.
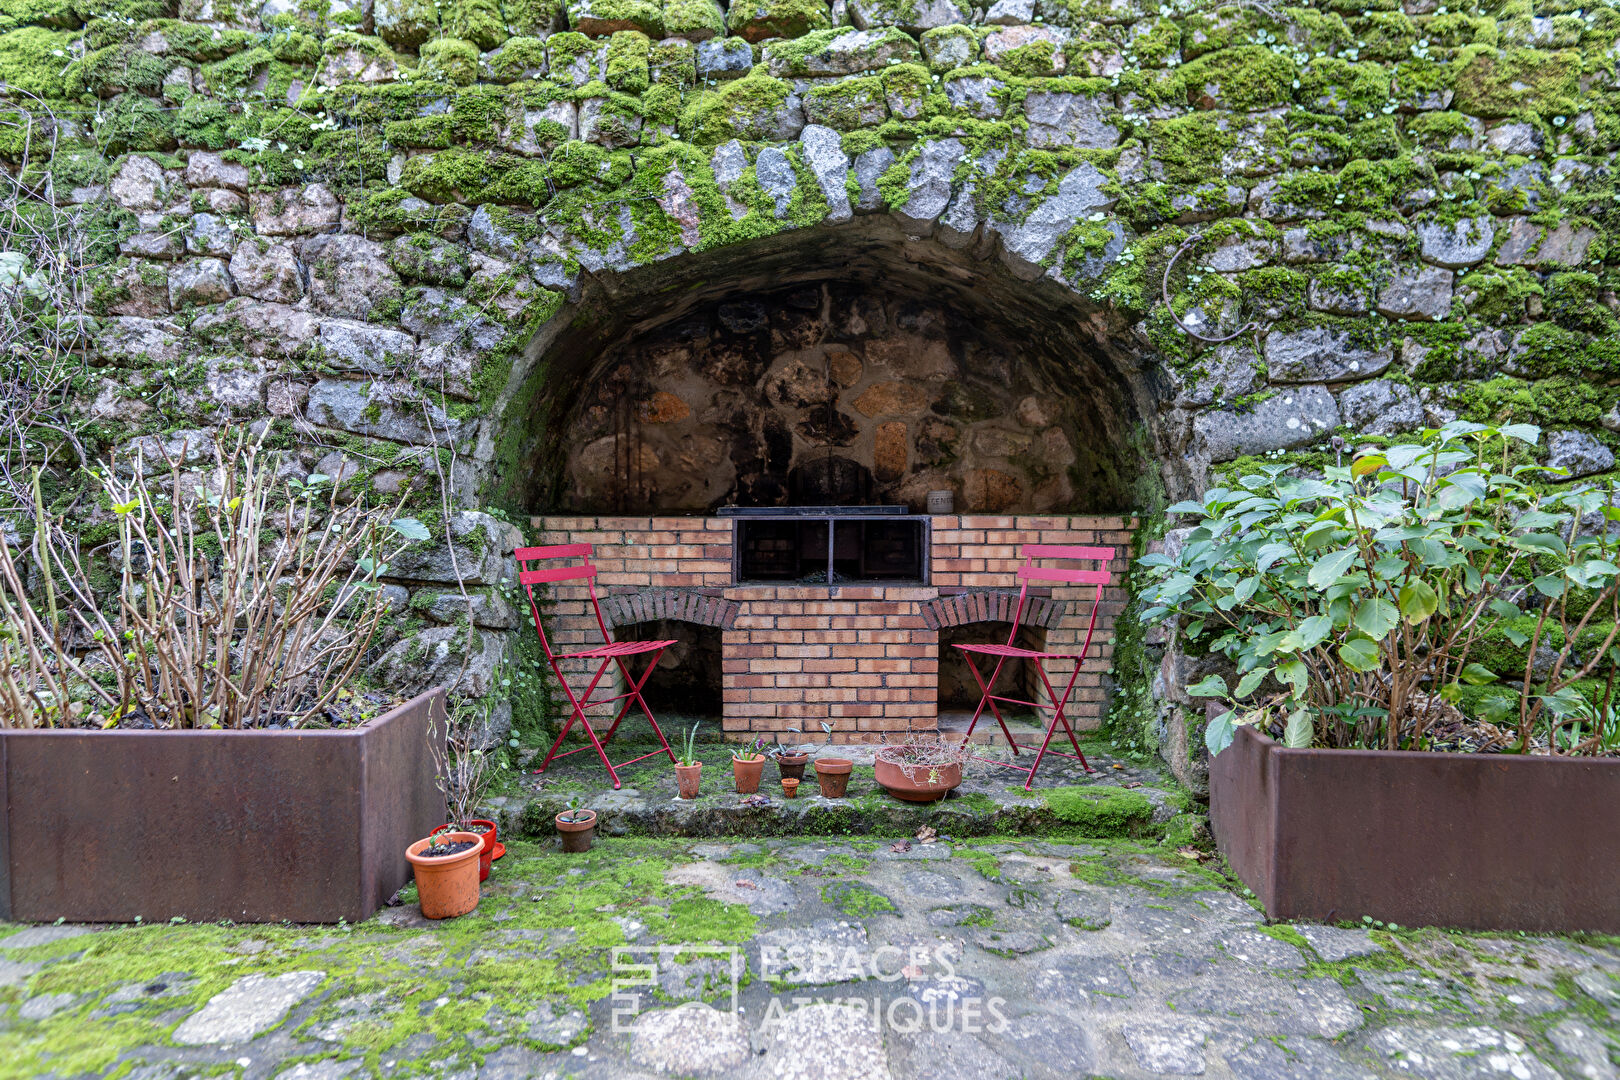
584,570
1061,575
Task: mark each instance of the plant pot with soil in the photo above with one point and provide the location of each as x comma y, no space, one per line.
790,787
446,868
688,769
577,827
747,765
920,771
790,763
833,776
485,830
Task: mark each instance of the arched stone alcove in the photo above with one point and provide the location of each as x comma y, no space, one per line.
836,364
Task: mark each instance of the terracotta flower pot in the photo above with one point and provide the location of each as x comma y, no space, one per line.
489,836
792,765
747,774
832,774
790,787
446,886
924,785
687,777
577,835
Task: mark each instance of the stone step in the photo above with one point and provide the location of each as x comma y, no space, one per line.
1118,798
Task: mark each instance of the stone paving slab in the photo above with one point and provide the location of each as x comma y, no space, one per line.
1134,798
815,959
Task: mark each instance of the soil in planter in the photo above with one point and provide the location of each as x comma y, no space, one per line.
441,851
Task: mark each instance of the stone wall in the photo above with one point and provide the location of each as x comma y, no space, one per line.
863,659
393,229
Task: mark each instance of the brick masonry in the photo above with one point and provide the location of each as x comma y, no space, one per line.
864,659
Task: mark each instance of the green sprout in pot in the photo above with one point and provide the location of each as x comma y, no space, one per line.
575,812
750,751
688,754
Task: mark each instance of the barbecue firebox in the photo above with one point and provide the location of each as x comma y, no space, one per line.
829,545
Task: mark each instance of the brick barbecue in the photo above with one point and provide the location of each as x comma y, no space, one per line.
865,658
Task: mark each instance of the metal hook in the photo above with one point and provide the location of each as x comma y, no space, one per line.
1183,327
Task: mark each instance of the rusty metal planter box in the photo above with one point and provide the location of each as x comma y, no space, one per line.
1478,841
255,826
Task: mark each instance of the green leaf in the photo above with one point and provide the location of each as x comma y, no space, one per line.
1360,655
409,528
1249,682
1529,433
1314,630
1298,732
1245,589
1376,616
1478,675
1296,675
1326,570
1208,686
1218,733
1367,465
1418,601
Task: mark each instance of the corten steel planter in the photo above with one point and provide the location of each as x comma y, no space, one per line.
255,826
1478,841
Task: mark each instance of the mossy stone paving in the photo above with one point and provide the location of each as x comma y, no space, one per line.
1002,956
1123,797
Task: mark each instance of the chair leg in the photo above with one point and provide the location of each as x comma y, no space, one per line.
1058,717
635,691
1068,690
579,714
987,699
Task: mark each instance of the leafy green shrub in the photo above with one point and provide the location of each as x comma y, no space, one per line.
1356,606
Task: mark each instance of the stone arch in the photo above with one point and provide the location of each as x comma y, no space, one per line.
1072,353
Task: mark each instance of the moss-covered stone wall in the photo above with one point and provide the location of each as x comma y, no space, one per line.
380,224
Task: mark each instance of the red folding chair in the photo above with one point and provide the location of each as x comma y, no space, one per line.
1027,573
609,653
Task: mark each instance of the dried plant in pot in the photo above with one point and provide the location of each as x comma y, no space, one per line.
230,597
920,769
577,827
462,774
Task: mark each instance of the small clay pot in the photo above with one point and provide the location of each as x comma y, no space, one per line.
687,777
489,836
792,765
790,787
833,775
446,886
577,835
747,774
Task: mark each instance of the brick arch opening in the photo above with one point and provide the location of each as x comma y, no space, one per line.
833,364
959,691
687,682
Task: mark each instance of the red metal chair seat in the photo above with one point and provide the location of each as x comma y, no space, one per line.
1011,651
1055,701
617,648
610,653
